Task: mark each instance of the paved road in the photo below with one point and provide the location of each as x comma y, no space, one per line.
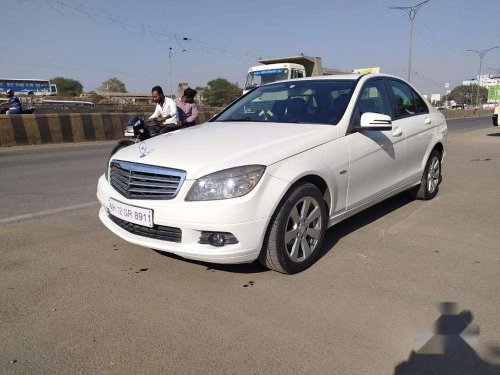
47,178
77,299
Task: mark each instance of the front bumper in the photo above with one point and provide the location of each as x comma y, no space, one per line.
245,217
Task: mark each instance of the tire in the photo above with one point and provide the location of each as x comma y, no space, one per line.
429,186
121,144
306,231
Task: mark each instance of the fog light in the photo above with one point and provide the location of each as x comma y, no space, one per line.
217,239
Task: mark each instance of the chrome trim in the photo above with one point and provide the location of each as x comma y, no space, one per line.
143,181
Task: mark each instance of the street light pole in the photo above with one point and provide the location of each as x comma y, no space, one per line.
481,56
412,12
170,54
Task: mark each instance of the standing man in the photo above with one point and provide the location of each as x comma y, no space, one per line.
166,110
187,108
14,104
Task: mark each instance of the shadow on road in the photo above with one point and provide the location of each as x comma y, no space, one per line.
332,236
346,227
448,350
254,267
493,135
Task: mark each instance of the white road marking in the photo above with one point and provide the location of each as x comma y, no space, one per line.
47,212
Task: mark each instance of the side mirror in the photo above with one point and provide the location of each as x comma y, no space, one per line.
375,121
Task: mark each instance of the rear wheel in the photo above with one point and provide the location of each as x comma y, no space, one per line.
431,178
296,231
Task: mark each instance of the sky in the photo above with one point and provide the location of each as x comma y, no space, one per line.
94,40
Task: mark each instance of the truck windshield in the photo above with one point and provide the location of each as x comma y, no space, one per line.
312,102
266,76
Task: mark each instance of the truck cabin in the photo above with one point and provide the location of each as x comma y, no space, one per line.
259,75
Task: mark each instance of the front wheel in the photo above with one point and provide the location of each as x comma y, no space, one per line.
296,232
121,144
431,178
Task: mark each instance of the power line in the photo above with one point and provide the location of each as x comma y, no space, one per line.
135,29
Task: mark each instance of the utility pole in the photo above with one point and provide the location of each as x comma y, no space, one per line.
481,56
412,12
170,54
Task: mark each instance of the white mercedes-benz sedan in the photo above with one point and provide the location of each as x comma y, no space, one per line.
268,175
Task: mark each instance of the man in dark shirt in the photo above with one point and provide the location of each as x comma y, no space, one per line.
14,104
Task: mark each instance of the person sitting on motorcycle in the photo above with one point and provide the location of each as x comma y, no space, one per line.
14,104
187,108
166,110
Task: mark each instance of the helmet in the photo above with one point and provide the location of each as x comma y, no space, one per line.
10,92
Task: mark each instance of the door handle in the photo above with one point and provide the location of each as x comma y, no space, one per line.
397,132
428,121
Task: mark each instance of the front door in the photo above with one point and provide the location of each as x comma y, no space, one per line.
376,157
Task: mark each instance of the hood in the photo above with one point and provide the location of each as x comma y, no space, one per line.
214,146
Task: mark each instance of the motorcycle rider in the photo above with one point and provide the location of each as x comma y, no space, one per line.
187,108
166,110
14,104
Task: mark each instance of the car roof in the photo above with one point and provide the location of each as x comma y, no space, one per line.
348,76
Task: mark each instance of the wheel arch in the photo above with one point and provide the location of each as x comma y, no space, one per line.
438,146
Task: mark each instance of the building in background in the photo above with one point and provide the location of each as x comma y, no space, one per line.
485,80
435,98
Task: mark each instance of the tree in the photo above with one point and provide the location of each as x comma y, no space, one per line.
113,85
220,92
467,94
67,86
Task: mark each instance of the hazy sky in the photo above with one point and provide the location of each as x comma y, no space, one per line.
93,40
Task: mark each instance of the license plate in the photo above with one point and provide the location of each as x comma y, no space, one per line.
132,214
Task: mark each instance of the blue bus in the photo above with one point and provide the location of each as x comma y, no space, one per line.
28,86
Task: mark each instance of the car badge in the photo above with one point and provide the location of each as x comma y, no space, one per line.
143,150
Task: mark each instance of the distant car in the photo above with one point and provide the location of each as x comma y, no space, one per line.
268,175
496,112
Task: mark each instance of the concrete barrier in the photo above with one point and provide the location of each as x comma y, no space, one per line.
464,113
35,129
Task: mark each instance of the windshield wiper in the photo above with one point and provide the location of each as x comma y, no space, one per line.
240,120
236,120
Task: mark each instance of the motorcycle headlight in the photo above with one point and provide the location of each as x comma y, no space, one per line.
226,184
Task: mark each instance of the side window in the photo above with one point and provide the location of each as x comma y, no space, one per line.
404,102
420,103
373,98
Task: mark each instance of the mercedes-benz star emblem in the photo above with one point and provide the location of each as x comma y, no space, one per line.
143,151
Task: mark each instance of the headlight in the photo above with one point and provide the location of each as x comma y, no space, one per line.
226,184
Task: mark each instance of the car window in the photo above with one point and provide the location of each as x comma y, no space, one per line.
308,101
404,101
419,103
373,98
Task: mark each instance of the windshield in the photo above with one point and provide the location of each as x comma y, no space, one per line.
257,78
314,102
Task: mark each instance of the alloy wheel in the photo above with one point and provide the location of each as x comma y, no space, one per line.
433,175
303,229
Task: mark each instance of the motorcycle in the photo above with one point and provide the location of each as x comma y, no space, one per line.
28,111
138,130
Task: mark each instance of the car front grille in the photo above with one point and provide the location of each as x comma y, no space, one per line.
142,181
158,232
